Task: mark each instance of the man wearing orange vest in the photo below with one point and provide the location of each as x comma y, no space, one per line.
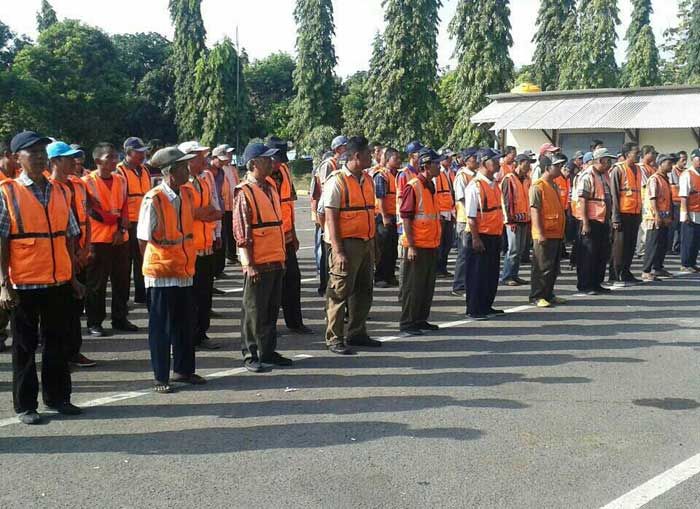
594,204
508,163
348,198
485,214
626,193
207,234
138,183
515,188
658,217
689,193
37,232
407,173
420,240
109,222
8,170
446,202
464,176
223,193
548,228
648,167
674,178
165,231
385,204
62,166
232,179
291,283
257,227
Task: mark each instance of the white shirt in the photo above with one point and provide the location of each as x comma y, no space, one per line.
472,198
684,188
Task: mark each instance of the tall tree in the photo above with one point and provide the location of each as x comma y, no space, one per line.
10,45
354,103
141,53
482,39
188,48
692,74
676,45
407,92
372,115
271,88
642,66
552,16
314,78
567,51
596,52
46,16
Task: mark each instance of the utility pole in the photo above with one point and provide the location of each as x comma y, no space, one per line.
238,95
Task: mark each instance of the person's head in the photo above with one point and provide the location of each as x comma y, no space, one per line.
548,149
523,164
105,156
596,144
489,159
412,150
392,158
282,146
199,161
377,152
62,159
447,158
429,162
339,145
665,162
135,151
682,159
649,154
695,158
578,159
630,151
257,159
8,160
30,151
221,156
509,154
79,159
558,163
602,160
587,159
358,156
470,157
173,165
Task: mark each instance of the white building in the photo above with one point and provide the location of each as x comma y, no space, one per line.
666,117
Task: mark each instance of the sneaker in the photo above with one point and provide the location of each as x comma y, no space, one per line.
207,344
340,349
648,277
255,366
80,361
558,300
365,341
663,273
277,360
411,331
96,331
543,303
695,268
381,284
427,326
29,417
687,270
124,326
457,293
66,408
494,312
510,282
618,283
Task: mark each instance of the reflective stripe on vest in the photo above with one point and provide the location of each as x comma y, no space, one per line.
110,200
356,207
552,213
443,190
490,215
596,209
265,224
203,231
630,197
522,200
663,200
389,200
426,220
136,188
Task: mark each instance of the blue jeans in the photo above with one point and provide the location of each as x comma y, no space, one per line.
690,244
321,260
458,284
517,244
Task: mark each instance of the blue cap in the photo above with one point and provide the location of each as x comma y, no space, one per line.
428,155
136,144
255,150
62,149
469,152
587,157
339,141
26,139
488,153
414,146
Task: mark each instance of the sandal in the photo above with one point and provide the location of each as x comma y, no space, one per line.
162,388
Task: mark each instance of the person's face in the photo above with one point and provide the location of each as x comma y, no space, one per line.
79,162
109,160
33,159
579,162
666,166
394,162
650,158
490,167
264,166
471,163
136,157
633,155
9,162
378,153
556,171
510,157
565,172
432,169
179,174
64,165
524,169
341,150
696,162
364,159
198,163
447,163
603,165
683,161
276,164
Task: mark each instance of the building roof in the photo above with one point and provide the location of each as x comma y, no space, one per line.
609,108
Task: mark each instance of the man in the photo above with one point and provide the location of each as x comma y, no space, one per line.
165,231
515,188
257,227
348,197
138,183
689,193
626,194
37,232
327,167
207,235
225,154
291,283
62,167
377,155
674,232
508,163
8,170
446,205
594,204
223,196
586,162
385,205
658,218
485,213
407,173
462,179
80,169
548,227
648,168
546,150
421,238
563,185
109,227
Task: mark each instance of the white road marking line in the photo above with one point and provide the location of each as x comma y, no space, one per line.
657,486
239,290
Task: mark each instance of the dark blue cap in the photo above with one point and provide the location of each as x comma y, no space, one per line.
26,139
469,152
486,154
255,150
136,144
428,155
414,146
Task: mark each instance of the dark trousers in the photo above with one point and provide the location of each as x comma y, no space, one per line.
259,309
136,265
593,255
655,248
482,271
321,256
74,336
458,284
4,320
40,312
202,286
291,290
417,287
624,243
170,326
447,238
109,263
219,260
673,245
574,243
546,256
690,244
227,236
387,241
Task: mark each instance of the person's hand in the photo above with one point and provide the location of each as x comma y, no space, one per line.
217,243
687,219
512,227
341,259
617,226
252,273
386,221
78,289
585,229
658,221
8,298
411,254
295,243
118,238
478,245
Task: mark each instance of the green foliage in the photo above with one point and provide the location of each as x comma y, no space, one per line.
354,104
375,75
46,17
596,51
271,88
482,40
642,66
692,44
317,142
567,51
676,45
152,114
552,16
141,53
10,45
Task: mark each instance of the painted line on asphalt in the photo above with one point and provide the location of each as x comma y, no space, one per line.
239,290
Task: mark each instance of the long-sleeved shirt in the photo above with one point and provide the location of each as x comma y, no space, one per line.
409,198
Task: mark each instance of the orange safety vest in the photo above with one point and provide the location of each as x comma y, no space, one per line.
333,163
490,216
443,190
630,197
507,169
522,200
38,248
400,183
663,199
356,207
136,188
467,175
78,199
693,200
111,201
231,180
675,188
226,188
389,199
552,213
426,221
265,224
171,253
564,187
286,194
596,208
203,231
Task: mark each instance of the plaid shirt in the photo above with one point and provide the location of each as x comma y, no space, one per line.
43,195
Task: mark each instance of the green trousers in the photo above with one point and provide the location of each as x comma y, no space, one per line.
417,286
259,309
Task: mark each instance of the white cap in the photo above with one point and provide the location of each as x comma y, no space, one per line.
188,147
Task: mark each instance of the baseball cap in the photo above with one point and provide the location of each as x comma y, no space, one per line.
62,149
602,153
587,157
559,159
525,157
469,152
667,157
281,145
488,153
136,144
447,152
414,146
188,147
578,155
428,155
26,139
339,141
695,153
548,147
223,152
255,150
166,157
545,162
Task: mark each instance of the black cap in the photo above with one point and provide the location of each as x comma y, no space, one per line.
488,153
26,139
695,153
136,144
255,150
428,155
279,144
667,157
525,157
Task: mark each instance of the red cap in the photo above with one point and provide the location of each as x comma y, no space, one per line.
548,147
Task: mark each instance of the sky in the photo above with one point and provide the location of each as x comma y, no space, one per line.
267,26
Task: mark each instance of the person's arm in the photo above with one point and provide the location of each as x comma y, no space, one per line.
8,295
535,209
472,208
509,201
683,193
615,185
72,236
243,234
408,211
652,192
333,225
146,223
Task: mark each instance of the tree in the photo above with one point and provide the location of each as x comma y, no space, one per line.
567,51
10,45
642,66
373,84
152,109
482,40
692,45
313,76
354,103
46,17
271,89
188,48
675,45
141,53
552,16
596,51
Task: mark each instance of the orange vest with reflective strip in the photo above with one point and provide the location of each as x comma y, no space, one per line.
522,200
443,191
400,182
552,213
203,231
693,200
356,207
136,188
286,198
231,180
170,253
80,206
489,217
564,187
37,242
265,224
664,203
110,200
389,199
426,221
630,198
596,209
675,188
467,175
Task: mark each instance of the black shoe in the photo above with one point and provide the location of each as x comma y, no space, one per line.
207,344
277,360
412,331
457,293
222,275
476,316
125,326
363,341
303,329
602,289
216,291
255,366
427,326
495,312
341,349
29,417
80,361
522,281
140,300
97,331
215,314
631,279
65,408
